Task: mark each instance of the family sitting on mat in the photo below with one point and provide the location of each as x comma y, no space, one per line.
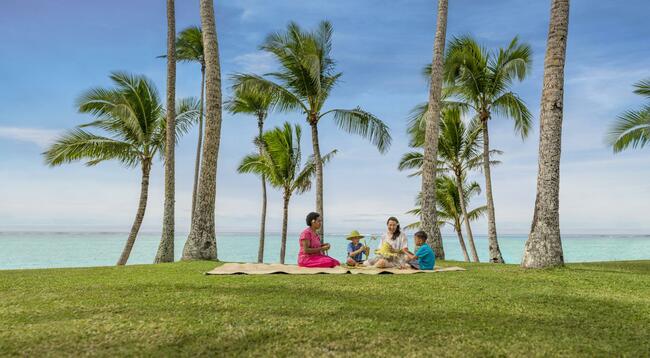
393,251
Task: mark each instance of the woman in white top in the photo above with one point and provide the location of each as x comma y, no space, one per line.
392,248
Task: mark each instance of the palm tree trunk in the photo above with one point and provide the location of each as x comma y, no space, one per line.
142,206
463,208
260,251
495,252
428,215
544,245
201,243
318,161
459,232
285,219
166,247
197,162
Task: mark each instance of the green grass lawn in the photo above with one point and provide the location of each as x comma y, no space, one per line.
173,309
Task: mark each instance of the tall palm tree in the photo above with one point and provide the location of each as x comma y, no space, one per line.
632,128
458,153
280,161
136,125
201,242
166,247
257,104
189,48
482,79
428,214
449,206
544,245
304,82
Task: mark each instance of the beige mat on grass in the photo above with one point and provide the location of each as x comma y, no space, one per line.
266,269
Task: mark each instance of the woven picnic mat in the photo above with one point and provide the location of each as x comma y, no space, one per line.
267,269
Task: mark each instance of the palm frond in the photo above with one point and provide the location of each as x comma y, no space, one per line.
247,101
411,160
187,114
79,145
284,99
477,213
365,124
643,88
510,105
631,129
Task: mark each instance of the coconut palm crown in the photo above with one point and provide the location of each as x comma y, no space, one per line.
280,163
482,79
257,104
133,123
304,82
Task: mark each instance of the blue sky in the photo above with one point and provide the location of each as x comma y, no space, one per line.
52,51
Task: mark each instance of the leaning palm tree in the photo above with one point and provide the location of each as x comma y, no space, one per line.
428,188
458,153
135,124
304,82
449,206
189,48
166,247
482,79
632,128
280,161
544,245
201,242
257,104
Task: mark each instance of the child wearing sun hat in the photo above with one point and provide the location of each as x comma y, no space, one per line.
356,249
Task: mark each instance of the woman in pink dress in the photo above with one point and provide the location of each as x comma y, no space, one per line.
311,250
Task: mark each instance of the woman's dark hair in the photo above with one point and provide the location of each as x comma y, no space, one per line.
311,217
397,231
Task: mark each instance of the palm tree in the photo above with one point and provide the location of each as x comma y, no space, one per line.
201,242
166,247
428,214
482,79
279,161
135,121
257,104
304,82
632,128
544,245
449,206
458,152
189,48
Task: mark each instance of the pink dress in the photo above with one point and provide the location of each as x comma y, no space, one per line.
316,259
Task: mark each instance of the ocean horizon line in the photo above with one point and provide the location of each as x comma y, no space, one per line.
290,233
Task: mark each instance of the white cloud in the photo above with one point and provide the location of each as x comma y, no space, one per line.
38,136
255,62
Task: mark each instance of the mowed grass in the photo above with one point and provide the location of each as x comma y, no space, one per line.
598,309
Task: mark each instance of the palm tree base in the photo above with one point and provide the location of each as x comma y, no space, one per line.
543,249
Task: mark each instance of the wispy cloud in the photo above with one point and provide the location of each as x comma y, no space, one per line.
255,62
39,136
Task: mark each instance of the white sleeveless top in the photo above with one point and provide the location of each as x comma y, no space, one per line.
398,244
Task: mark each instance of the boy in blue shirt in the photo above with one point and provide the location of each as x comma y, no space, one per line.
356,249
424,259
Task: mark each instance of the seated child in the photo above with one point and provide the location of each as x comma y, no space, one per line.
356,249
424,259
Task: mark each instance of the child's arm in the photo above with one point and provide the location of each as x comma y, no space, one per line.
355,253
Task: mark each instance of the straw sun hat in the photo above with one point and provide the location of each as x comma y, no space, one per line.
354,235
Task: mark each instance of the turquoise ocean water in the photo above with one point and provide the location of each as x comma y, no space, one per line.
20,250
